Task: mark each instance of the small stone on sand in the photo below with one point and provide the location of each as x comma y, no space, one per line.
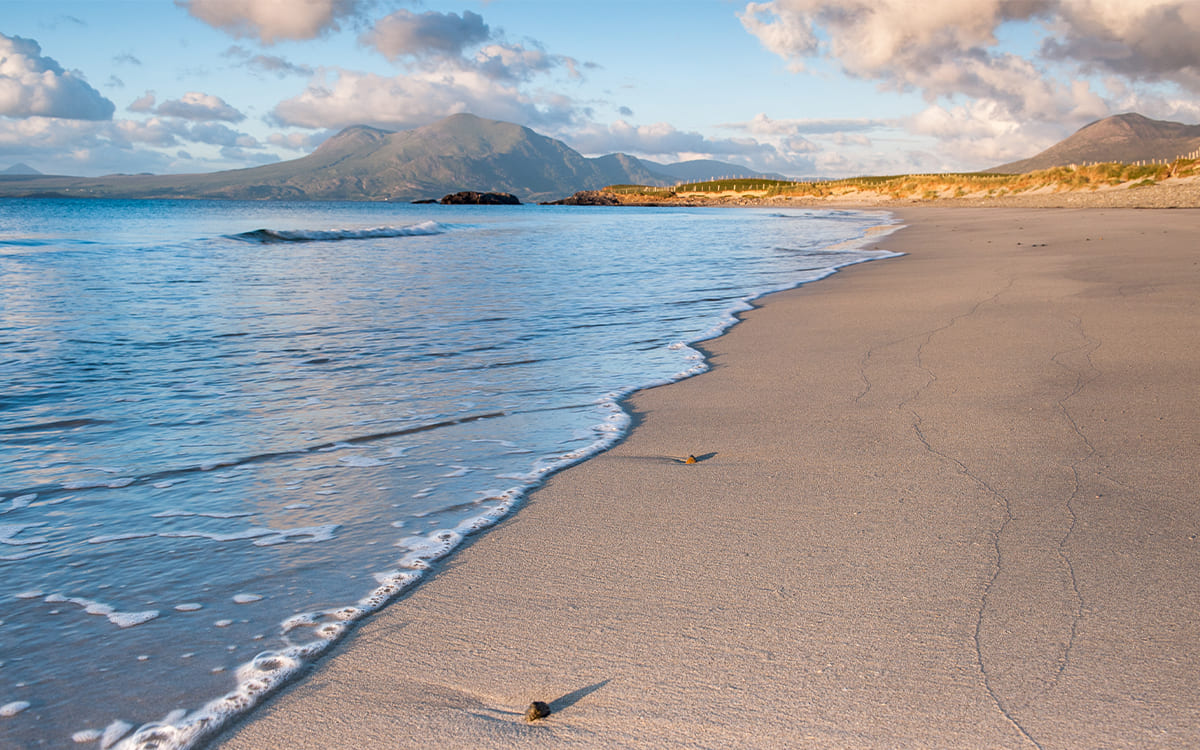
537,710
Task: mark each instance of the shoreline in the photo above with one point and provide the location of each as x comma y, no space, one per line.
864,555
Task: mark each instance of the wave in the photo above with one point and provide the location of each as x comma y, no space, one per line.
43,241
44,491
21,242
267,236
62,424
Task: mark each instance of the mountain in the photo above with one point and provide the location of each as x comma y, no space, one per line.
461,152
1122,138
20,168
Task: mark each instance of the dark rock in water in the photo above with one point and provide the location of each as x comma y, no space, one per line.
537,710
423,201
472,198
588,198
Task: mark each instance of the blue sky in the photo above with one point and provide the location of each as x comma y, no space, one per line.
801,87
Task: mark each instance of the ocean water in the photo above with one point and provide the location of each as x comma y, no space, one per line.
229,430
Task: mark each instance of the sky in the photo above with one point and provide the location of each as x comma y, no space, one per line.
803,88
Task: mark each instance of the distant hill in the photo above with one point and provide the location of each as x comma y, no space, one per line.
461,152
20,168
1122,138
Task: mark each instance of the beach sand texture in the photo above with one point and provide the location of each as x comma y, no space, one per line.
947,500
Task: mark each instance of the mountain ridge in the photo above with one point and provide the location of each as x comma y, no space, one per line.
466,152
459,152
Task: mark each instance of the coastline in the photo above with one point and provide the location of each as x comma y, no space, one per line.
942,500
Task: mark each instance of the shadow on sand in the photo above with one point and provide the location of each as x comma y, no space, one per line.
573,697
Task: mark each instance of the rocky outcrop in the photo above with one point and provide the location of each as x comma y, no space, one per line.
473,198
588,198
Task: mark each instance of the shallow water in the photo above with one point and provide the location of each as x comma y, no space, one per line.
229,430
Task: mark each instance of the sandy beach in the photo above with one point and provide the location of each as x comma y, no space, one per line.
946,500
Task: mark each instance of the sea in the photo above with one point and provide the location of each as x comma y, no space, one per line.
229,431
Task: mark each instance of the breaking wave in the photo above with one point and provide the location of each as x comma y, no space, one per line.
265,236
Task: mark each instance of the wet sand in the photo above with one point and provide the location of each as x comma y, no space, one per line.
945,500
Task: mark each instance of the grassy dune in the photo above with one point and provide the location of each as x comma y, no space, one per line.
927,187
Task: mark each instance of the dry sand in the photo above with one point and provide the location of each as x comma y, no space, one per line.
944,501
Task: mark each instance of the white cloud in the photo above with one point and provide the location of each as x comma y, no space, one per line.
273,20
435,41
416,35
945,48
515,62
221,135
273,64
243,156
454,62
128,133
664,142
949,47
871,37
35,86
788,35
338,98
659,140
58,146
1144,40
195,105
305,142
798,144
983,101
850,139
981,132
144,103
760,124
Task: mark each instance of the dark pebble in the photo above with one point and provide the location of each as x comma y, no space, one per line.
537,710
